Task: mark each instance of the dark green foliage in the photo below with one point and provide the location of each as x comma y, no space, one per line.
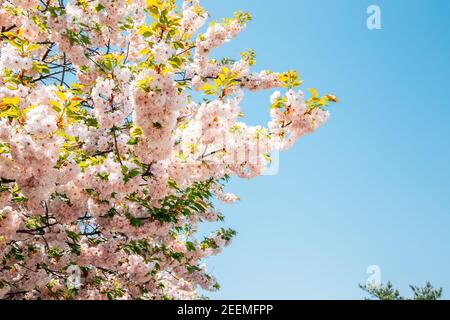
388,292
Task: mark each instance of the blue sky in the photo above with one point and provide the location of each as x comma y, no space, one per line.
372,187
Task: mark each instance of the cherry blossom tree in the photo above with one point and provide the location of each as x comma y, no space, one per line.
108,164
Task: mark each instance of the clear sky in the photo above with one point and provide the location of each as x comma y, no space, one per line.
372,187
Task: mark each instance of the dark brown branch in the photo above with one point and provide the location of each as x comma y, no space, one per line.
101,153
128,52
11,294
184,51
64,70
116,146
3,180
52,76
211,154
93,233
39,230
47,52
148,172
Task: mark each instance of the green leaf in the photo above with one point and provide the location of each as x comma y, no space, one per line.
133,141
190,246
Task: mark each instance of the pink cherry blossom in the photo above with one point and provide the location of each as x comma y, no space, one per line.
118,131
